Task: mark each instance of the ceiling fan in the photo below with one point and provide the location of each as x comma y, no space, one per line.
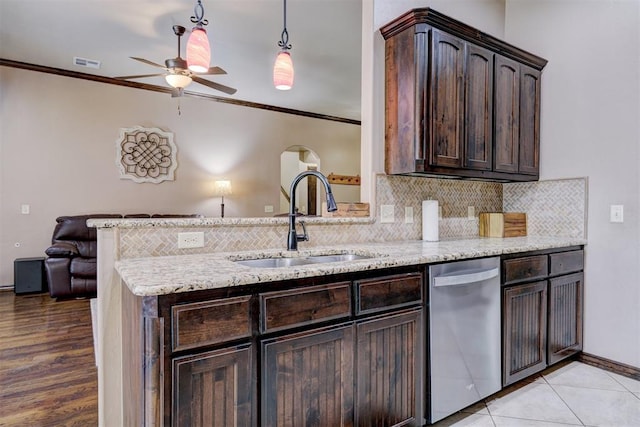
177,73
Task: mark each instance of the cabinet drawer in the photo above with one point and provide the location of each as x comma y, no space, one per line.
388,292
566,262
525,268
285,309
210,322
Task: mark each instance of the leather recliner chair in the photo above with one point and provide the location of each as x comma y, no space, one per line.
71,263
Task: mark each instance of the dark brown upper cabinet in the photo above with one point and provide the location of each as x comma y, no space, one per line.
459,102
447,100
517,117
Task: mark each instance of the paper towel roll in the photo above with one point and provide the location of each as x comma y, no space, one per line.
430,232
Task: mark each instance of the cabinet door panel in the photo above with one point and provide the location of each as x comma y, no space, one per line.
524,330
447,100
405,89
507,114
307,379
565,316
213,389
390,371
479,108
529,120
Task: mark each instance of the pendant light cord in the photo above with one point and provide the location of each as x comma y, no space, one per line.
284,37
198,14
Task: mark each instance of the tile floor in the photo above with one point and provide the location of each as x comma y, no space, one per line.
575,394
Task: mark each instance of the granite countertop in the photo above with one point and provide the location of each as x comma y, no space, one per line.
208,222
185,273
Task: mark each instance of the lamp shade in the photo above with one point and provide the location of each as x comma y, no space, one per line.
177,80
283,71
198,51
221,188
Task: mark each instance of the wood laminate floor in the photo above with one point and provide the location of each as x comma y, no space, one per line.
47,368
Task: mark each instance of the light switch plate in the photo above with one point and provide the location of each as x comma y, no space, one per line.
386,213
471,212
616,213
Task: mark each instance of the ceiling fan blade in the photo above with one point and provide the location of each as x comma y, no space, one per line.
217,86
146,61
139,76
214,70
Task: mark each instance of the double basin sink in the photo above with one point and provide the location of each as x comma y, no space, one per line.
277,262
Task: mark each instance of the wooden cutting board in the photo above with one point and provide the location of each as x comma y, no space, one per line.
508,224
352,209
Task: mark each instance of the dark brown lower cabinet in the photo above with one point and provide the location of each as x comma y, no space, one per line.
389,371
307,379
524,330
287,354
565,316
542,301
213,388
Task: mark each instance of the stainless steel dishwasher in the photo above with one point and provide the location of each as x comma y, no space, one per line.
464,334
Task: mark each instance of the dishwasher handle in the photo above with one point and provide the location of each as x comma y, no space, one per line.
466,278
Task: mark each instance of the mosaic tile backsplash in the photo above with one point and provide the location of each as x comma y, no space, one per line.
553,208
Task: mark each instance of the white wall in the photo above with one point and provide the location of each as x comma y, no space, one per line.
591,127
57,140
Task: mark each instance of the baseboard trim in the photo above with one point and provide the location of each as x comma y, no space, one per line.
610,365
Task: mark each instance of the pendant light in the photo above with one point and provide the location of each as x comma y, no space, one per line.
283,68
198,50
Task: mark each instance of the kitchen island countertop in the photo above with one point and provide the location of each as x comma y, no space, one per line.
185,273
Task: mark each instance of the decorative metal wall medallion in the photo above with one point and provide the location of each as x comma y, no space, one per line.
146,154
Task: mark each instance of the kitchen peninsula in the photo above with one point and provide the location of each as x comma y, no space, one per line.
156,337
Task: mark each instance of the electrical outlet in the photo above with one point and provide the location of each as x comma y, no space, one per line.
408,215
25,209
268,208
386,213
193,239
616,213
471,212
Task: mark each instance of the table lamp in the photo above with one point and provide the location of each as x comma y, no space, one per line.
221,189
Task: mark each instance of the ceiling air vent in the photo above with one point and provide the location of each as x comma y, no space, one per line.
84,62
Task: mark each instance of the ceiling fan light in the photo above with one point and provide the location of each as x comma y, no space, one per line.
178,81
198,50
283,71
